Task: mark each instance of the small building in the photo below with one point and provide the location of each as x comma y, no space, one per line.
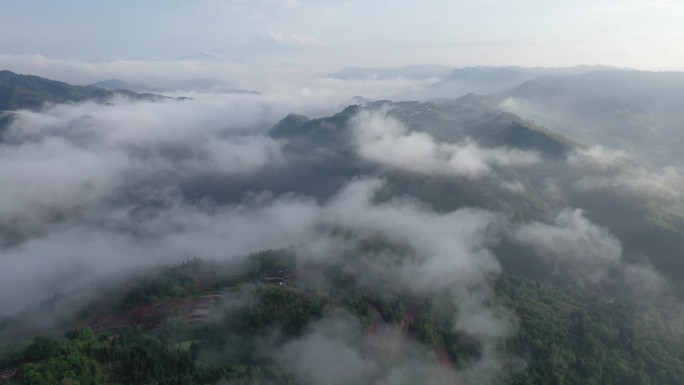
278,276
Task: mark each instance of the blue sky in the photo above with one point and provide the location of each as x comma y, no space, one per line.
635,33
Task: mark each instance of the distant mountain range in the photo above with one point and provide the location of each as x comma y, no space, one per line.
118,84
618,108
410,72
622,109
483,79
196,85
646,223
636,111
444,121
32,92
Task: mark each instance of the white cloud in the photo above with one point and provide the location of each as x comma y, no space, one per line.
68,158
665,183
574,244
515,186
452,247
335,348
385,140
54,176
609,170
598,158
633,6
289,39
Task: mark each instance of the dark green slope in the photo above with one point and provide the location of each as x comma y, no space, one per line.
327,154
290,125
563,336
648,228
467,117
512,131
32,92
327,131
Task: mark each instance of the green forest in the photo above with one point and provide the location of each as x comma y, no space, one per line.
446,241
564,336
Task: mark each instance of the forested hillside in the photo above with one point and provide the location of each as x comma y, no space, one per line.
32,92
562,337
451,241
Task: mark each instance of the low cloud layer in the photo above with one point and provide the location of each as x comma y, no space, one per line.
385,140
281,81
589,254
98,190
78,157
573,243
337,350
452,248
610,170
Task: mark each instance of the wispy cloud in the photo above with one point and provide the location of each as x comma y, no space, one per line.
633,6
276,37
387,141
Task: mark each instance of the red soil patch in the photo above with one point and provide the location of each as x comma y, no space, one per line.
377,322
149,316
446,363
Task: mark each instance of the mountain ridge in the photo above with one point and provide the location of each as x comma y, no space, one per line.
31,92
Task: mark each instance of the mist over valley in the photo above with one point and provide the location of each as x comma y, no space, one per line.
269,210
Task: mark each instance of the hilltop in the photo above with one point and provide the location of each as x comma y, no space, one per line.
32,92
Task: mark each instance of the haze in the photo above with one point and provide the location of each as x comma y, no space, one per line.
342,192
321,36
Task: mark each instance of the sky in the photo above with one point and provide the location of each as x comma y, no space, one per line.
327,35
